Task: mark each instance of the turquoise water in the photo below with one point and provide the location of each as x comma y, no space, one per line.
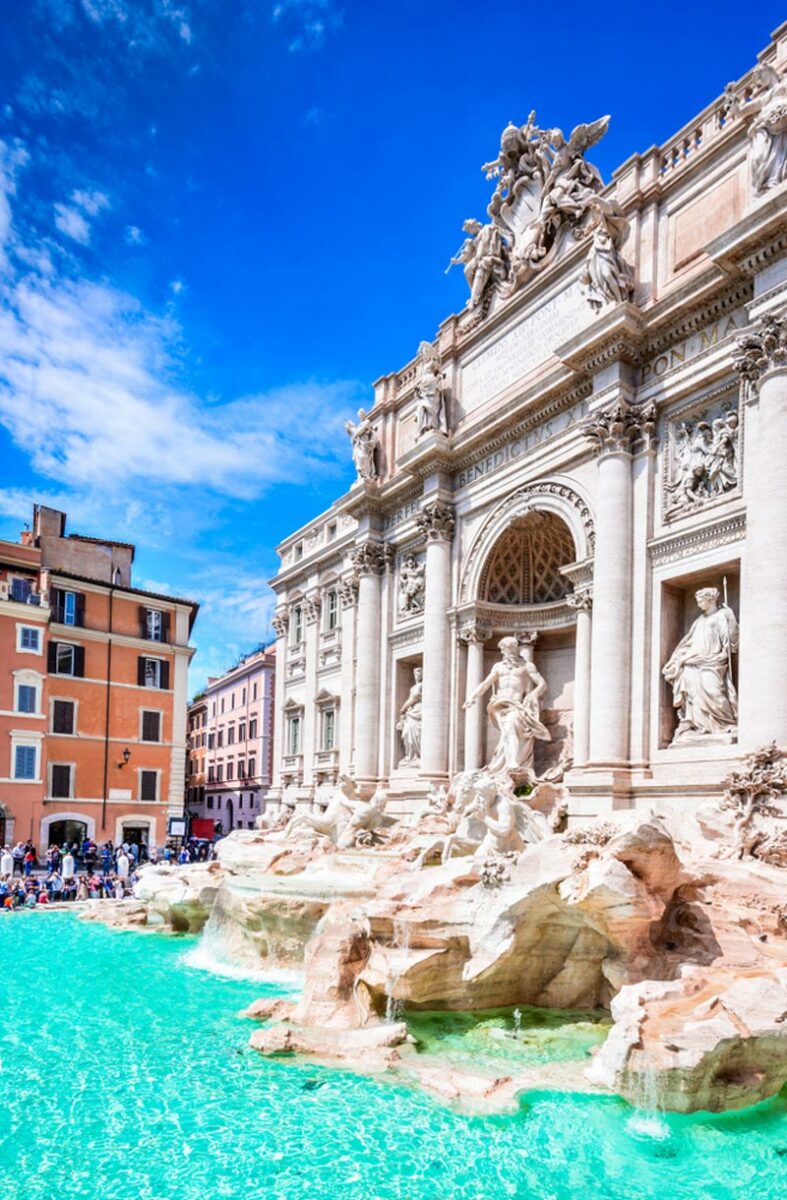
124,1075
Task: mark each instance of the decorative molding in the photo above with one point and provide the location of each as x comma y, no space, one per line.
312,606
621,427
762,350
412,635
472,634
280,622
348,592
581,599
436,521
678,546
565,400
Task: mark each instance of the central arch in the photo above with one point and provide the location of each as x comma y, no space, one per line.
524,565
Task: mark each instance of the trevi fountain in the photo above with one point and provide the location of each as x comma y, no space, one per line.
520,927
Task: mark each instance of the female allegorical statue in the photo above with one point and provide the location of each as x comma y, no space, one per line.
699,670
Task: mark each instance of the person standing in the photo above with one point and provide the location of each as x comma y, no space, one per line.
6,863
122,864
68,868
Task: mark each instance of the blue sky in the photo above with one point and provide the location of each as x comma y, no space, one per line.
220,220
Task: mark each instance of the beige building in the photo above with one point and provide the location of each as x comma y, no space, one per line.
595,438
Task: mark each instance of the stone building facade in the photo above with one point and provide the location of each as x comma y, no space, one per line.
93,678
592,441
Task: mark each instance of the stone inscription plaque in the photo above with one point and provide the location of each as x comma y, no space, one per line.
518,351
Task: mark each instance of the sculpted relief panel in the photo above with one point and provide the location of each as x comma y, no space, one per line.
703,458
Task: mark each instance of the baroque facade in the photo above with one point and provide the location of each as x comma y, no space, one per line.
586,459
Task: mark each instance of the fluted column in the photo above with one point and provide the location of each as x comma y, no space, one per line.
614,431
348,593
436,522
582,601
474,638
369,563
280,623
312,606
762,361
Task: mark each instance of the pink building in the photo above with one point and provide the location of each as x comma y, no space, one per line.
239,739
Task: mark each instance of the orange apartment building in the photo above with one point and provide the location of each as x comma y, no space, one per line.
93,692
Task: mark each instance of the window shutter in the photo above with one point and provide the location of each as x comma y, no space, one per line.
165,627
61,781
79,662
79,601
51,657
165,674
143,621
56,601
141,670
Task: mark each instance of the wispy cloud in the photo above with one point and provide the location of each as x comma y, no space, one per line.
72,219
306,23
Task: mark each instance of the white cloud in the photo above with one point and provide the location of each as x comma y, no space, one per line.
71,222
90,389
176,286
90,202
307,21
135,236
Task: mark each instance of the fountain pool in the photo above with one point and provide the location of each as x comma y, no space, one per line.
125,1075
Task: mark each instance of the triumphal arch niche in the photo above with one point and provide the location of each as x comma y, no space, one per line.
528,575
587,457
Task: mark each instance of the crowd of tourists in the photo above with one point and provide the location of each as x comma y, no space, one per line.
84,870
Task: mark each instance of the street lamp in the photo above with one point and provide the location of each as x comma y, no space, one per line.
126,757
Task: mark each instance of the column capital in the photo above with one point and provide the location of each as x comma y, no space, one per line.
348,592
371,558
475,634
436,521
621,427
580,599
280,622
312,605
762,350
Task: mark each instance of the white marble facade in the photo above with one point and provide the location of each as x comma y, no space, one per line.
593,441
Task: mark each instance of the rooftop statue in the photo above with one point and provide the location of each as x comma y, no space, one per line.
767,112
543,192
364,440
430,411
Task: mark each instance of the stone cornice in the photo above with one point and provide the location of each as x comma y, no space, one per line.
676,318
755,240
615,335
696,540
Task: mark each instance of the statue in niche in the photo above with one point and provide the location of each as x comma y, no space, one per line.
410,718
514,709
607,277
412,585
706,461
364,440
700,671
430,411
483,257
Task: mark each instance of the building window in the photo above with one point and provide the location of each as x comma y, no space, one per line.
241,769
294,735
21,589
230,735
213,709
220,773
220,738
329,729
148,785
332,610
243,696
25,761
28,639
230,769
211,774
222,704
242,732
211,740
68,608
252,768
26,698
296,625
151,726
331,530
210,802
61,781
64,658
153,673
63,716
154,625
254,691
252,729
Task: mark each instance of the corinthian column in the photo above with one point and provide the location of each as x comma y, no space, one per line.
369,564
311,607
613,430
582,602
761,359
474,637
348,592
436,522
280,625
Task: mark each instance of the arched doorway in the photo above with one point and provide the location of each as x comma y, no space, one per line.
67,831
524,583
